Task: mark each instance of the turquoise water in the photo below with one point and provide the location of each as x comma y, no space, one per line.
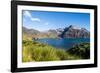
64,43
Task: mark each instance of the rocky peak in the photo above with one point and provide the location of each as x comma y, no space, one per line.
73,32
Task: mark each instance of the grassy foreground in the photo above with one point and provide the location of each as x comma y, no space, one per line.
35,51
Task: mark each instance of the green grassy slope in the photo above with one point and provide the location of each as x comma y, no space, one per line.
35,51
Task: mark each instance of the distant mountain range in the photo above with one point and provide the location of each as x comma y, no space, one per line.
67,32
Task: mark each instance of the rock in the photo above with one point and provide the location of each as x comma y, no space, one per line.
73,32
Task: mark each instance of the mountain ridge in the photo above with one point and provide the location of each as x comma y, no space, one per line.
67,32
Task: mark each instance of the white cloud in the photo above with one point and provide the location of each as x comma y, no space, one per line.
35,19
28,14
46,23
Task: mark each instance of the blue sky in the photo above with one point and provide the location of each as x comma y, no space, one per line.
44,20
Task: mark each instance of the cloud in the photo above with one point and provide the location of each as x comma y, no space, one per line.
28,14
46,23
35,19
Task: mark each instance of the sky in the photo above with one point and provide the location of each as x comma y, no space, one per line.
45,20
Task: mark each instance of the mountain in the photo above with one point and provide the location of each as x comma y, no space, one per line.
28,34
55,32
29,31
67,32
73,32
32,33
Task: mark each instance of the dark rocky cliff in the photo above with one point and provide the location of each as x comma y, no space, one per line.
72,32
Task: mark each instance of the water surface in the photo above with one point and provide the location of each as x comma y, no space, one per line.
64,43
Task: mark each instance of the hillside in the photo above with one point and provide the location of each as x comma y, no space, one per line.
72,32
35,51
82,50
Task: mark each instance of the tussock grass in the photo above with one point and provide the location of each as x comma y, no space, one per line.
35,51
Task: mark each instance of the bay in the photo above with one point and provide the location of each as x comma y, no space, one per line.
63,43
